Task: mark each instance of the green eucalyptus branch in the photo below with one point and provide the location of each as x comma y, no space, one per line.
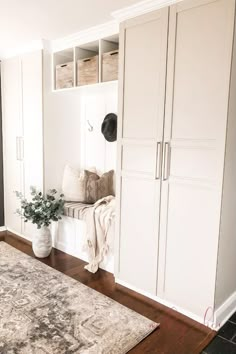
41,209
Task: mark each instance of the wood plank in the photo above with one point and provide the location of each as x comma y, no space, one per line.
177,334
2,235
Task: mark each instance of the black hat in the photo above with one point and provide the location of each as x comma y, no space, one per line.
109,127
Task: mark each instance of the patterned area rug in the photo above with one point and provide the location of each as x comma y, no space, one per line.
43,311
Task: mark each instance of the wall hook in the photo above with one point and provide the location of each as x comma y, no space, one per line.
90,127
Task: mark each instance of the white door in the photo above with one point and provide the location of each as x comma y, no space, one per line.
32,125
12,134
143,49
199,54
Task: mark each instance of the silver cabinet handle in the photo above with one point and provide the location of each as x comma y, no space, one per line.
17,148
166,167
158,160
21,148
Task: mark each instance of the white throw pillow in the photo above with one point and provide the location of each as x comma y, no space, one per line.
74,184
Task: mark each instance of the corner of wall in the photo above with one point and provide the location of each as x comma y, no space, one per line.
225,279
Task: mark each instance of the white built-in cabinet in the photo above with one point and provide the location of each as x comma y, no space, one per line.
174,95
12,134
22,132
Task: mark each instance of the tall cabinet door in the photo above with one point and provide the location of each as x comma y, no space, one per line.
12,134
199,55
143,50
32,125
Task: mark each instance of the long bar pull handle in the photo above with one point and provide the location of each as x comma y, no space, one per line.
21,148
166,161
158,160
17,149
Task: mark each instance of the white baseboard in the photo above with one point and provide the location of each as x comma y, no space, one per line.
19,234
225,311
3,228
221,315
167,304
64,248
107,265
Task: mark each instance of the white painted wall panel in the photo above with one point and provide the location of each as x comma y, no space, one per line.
61,129
226,280
96,102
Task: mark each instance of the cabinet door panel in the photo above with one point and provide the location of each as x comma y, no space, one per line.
146,161
199,59
194,162
143,50
33,125
200,72
12,109
191,246
139,233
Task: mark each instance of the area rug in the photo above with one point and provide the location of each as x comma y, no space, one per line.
43,311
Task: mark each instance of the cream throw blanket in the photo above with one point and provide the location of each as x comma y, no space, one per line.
100,221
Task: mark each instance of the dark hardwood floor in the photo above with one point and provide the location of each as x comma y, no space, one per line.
177,334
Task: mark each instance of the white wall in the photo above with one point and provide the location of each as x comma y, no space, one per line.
96,102
61,129
226,279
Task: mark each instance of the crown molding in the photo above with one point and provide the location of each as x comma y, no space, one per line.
21,49
140,8
109,28
91,34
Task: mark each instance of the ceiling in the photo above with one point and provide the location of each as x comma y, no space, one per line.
22,21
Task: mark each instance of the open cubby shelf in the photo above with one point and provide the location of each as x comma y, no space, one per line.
86,64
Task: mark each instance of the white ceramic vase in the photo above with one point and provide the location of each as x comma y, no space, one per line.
42,242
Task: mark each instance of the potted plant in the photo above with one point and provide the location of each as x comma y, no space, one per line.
41,210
